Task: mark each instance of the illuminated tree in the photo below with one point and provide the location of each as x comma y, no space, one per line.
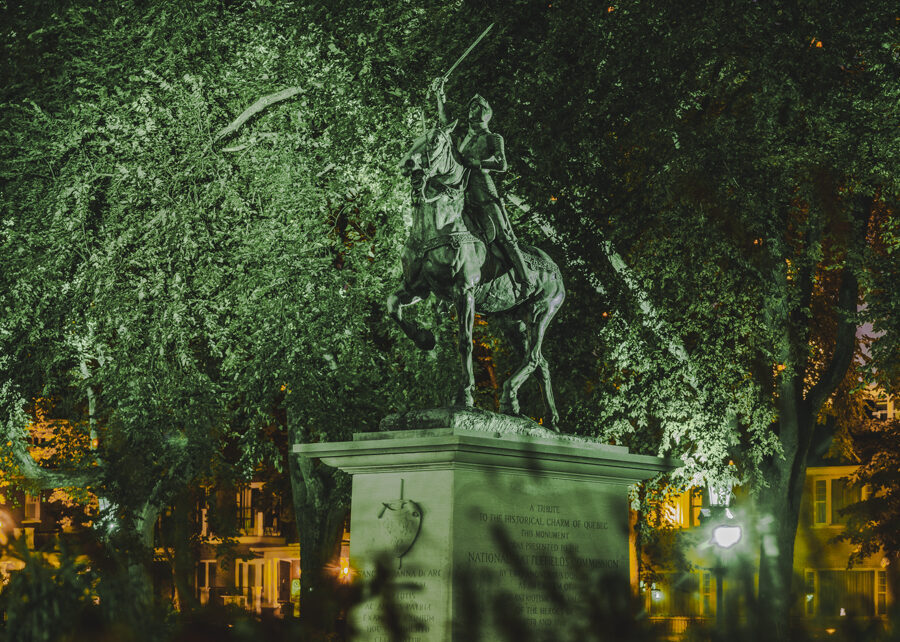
738,160
716,180
183,278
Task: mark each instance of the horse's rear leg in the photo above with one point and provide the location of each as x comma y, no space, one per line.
423,338
544,373
465,314
534,360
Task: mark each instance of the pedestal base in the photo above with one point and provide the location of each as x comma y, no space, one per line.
474,535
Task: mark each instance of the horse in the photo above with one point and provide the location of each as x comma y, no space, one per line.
444,256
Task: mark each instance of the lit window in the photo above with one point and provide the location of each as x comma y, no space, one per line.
247,499
880,593
32,508
206,573
820,503
843,494
696,505
706,593
810,592
672,513
845,591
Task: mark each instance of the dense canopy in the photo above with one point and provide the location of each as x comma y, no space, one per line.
718,181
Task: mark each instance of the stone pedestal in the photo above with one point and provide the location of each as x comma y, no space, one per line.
480,525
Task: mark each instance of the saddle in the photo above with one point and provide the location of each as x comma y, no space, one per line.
485,230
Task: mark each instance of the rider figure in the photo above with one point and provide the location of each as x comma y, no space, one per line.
481,151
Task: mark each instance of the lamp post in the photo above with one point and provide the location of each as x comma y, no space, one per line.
726,532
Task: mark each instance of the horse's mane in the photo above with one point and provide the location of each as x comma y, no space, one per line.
444,166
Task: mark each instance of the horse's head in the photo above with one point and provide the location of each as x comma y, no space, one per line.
431,153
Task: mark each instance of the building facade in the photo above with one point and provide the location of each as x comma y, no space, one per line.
827,589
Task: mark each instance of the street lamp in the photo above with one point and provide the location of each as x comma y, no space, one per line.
726,536
726,532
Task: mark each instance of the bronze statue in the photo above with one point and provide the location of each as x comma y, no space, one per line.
482,151
444,257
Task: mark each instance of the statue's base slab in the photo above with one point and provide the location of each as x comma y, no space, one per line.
467,419
477,525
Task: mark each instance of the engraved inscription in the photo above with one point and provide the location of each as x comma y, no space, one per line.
551,541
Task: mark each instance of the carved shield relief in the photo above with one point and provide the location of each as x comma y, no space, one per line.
401,521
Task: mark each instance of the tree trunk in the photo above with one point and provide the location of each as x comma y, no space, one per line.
779,504
892,575
776,560
129,546
183,556
321,500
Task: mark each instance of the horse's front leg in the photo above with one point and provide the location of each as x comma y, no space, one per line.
406,295
465,314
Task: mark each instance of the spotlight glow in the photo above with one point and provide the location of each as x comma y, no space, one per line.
726,536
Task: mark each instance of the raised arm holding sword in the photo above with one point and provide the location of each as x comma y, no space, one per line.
482,152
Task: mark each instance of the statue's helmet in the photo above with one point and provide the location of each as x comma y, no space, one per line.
486,111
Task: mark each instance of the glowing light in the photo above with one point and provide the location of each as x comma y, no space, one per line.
843,611
610,9
726,536
656,595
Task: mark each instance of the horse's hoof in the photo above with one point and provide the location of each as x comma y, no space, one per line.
425,340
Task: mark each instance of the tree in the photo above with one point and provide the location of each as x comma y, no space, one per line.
183,280
202,288
873,524
766,133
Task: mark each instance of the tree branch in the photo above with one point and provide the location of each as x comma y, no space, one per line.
253,140
45,478
845,341
843,346
255,108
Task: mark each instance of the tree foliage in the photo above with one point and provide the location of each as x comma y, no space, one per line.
873,523
718,181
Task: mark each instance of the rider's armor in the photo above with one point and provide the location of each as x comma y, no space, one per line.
482,151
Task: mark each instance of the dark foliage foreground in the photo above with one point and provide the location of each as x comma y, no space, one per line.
59,599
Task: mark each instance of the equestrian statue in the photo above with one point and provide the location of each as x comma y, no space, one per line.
462,249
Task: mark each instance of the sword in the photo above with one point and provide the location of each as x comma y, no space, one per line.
467,51
462,57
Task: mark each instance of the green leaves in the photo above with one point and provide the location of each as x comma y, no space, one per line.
214,286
